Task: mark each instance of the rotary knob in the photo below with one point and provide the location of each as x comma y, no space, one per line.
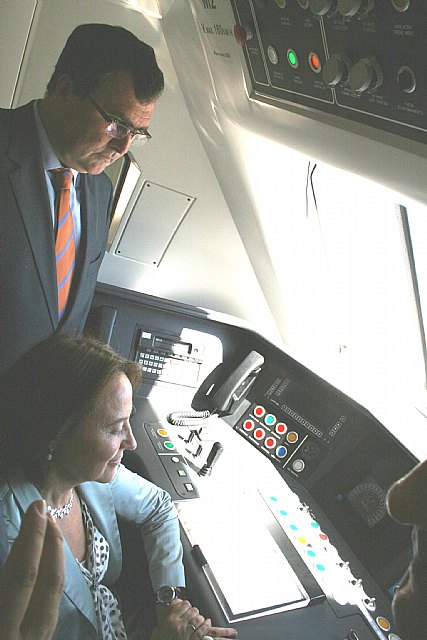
323,7
406,79
365,75
336,70
349,8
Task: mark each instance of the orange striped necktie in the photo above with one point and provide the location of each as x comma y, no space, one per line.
65,246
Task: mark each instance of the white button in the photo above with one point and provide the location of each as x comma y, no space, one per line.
298,465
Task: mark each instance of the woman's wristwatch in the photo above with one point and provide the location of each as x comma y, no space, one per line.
166,594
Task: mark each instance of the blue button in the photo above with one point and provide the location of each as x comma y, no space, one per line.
281,451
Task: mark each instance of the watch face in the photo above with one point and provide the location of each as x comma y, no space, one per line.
165,595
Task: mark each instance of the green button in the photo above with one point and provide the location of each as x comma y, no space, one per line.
168,445
292,58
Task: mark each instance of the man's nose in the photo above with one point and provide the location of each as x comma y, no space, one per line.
122,145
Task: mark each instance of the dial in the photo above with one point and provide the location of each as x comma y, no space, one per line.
322,7
349,8
365,75
336,70
406,79
369,500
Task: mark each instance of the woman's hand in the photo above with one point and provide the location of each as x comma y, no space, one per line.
32,579
184,622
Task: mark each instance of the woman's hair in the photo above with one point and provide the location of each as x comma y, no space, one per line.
52,388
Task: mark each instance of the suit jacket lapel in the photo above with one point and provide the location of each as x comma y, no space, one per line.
75,588
99,500
29,186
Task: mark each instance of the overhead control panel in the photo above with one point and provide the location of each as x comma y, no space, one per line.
362,60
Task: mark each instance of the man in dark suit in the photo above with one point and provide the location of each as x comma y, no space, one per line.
99,101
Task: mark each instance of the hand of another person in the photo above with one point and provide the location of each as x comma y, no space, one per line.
184,622
406,502
32,579
409,608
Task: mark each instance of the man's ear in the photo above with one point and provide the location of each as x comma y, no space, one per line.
64,86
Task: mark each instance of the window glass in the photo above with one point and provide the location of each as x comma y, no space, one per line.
378,352
336,244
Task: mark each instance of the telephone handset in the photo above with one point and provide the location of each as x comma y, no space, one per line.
222,400
237,384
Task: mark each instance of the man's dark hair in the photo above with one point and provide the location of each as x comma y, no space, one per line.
94,51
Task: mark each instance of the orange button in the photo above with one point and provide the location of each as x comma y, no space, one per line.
383,623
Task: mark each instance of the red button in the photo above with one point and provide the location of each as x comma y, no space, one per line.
248,425
259,434
259,411
281,428
270,443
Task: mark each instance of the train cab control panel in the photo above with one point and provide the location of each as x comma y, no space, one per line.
281,493
361,60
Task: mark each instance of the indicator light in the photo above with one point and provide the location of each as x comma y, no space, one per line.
292,437
281,428
292,58
248,425
383,623
281,451
314,62
259,411
270,443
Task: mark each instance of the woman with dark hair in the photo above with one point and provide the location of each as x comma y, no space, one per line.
65,413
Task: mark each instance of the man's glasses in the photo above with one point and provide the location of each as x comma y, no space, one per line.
118,130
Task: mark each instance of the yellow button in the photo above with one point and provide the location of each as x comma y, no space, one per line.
162,432
383,623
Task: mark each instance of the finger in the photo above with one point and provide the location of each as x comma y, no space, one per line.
223,632
405,496
42,614
200,627
19,573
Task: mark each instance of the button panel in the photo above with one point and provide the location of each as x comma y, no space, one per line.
172,461
363,61
281,438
